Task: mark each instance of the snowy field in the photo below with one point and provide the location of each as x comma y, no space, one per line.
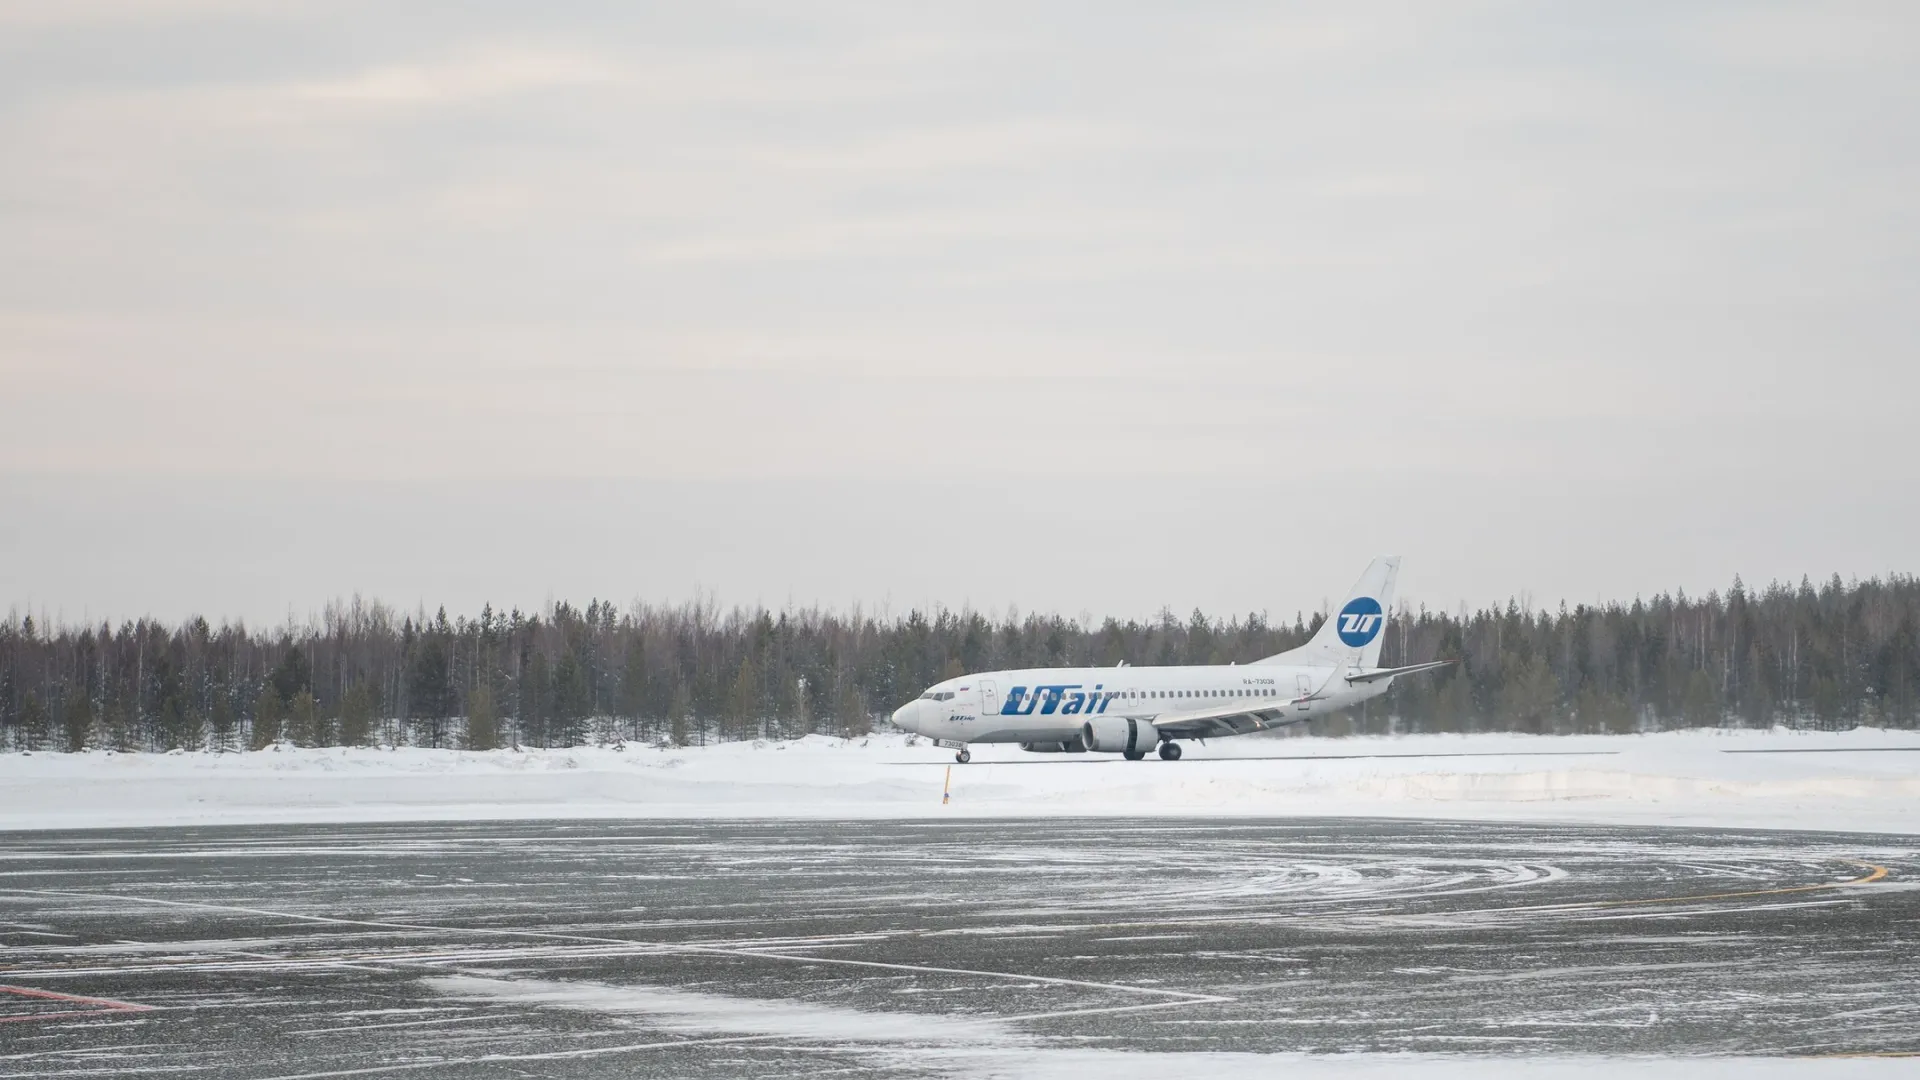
1862,781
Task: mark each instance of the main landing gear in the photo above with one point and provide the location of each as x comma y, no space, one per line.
1169,751
963,756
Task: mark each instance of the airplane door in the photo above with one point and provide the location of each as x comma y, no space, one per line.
989,697
1303,685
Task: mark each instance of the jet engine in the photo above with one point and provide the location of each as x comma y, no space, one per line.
1068,746
1119,735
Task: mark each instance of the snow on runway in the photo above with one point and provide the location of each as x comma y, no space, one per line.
985,948
1861,780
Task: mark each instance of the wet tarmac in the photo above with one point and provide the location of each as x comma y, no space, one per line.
730,949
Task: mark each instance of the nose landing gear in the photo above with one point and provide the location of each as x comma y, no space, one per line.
963,756
1169,751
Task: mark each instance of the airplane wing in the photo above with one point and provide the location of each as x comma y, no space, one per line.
1245,718
1241,719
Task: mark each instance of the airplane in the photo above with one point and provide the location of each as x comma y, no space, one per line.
1132,710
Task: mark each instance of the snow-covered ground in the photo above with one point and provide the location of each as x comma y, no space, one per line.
1834,781
1866,780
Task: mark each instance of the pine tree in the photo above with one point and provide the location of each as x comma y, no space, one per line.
1700,707
801,712
220,721
851,711
356,715
535,688
77,721
679,714
1529,697
33,723
633,687
120,726
483,721
570,701
430,689
303,718
179,728
743,702
266,719
293,674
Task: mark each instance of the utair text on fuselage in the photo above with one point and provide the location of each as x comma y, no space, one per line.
1133,710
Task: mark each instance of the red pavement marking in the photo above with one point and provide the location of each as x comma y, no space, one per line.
99,1005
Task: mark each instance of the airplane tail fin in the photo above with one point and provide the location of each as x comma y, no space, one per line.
1352,634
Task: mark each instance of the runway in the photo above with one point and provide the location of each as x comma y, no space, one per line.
776,948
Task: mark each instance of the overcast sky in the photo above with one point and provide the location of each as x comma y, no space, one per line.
1078,307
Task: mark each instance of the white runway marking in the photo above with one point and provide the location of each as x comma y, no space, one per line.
490,1059
378,1027
635,946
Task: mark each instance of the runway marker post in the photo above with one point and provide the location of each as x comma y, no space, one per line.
946,789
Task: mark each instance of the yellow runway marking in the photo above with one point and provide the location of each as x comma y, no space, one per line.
1875,873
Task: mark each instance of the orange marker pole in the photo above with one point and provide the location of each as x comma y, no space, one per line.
946,789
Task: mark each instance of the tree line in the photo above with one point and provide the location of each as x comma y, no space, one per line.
361,673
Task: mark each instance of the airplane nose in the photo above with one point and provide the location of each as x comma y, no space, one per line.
904,715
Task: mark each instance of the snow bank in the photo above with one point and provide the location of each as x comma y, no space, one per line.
1862,780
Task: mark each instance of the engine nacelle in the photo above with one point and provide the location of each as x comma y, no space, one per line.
1119,735
1066,746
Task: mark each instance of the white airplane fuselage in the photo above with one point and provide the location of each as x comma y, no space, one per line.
1041,706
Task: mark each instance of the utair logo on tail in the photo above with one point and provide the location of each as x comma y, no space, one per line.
1360,621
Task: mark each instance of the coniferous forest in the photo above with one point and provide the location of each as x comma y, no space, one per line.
1837,655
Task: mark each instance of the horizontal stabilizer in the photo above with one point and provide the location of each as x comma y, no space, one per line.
1388,673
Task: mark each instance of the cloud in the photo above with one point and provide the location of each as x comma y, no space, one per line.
32,14
1829,39
488,72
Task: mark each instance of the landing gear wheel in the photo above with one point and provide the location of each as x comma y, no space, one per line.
1133,755
963,757
1169,751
